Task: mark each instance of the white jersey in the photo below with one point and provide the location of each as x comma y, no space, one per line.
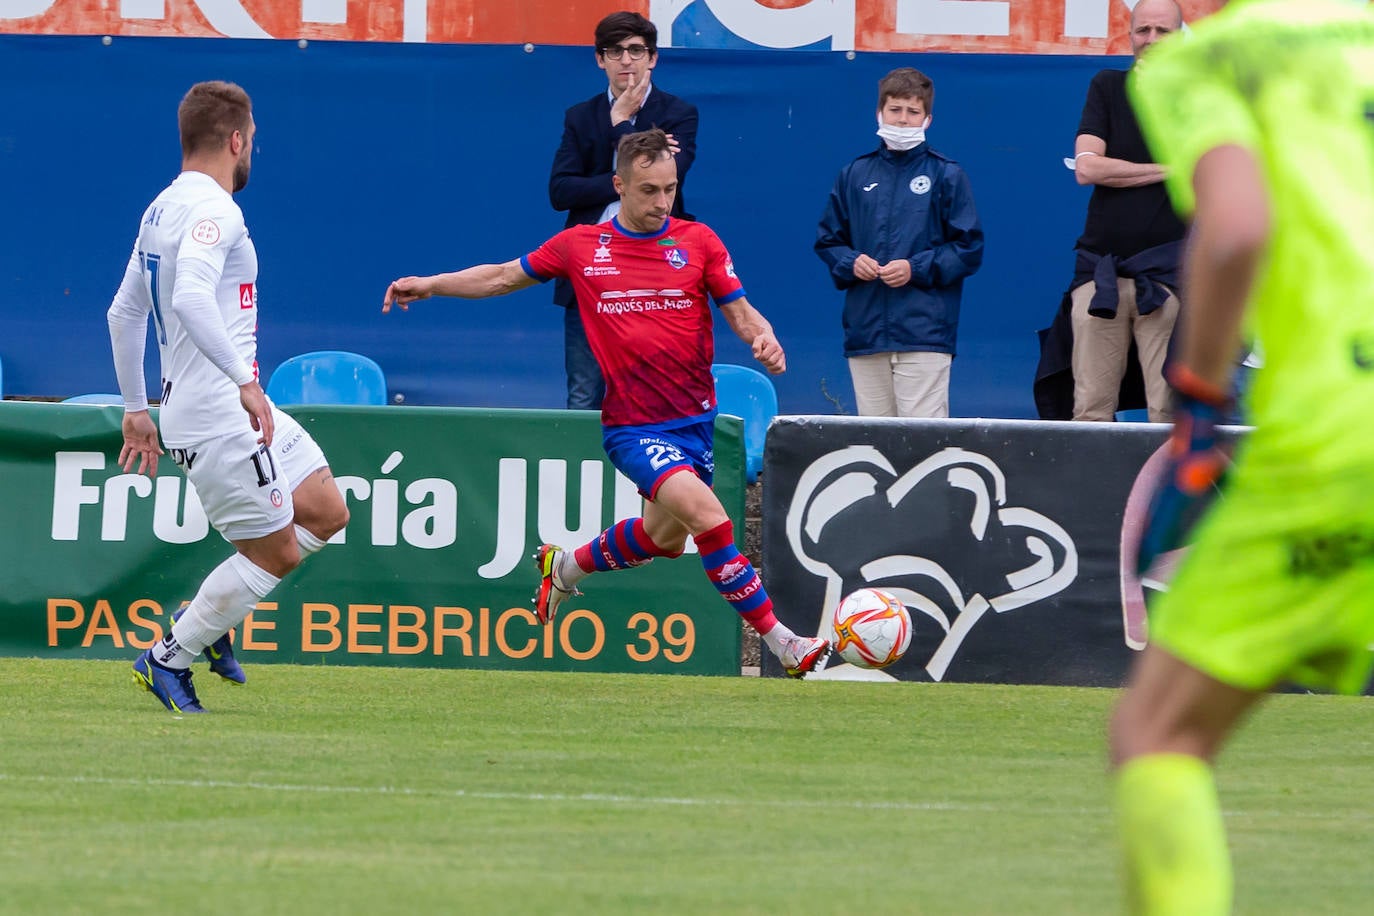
195,269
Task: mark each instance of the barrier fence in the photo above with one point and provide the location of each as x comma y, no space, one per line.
1003,537
433,569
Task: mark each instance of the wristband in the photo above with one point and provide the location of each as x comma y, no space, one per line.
1189,384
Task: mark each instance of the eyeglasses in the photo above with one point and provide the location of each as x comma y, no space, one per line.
636,52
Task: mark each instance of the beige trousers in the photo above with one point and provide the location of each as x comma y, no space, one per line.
1100,347
901,384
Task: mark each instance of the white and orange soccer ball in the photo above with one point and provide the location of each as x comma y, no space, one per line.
872,628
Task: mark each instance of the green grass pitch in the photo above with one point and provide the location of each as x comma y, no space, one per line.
374,790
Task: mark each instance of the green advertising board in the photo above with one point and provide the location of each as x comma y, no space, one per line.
434,569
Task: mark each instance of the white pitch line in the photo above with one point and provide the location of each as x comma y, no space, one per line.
586,797
644,800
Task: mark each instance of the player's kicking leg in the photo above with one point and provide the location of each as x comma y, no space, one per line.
636,541
684,502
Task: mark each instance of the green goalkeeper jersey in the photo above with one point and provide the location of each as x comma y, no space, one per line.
1292,81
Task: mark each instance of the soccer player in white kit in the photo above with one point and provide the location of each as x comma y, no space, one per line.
262,480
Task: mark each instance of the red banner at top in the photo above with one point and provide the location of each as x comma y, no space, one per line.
979,26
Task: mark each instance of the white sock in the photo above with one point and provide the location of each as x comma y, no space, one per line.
775,637
307,542
168,653
227,595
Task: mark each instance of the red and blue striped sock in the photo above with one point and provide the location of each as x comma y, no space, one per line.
621,546
735,578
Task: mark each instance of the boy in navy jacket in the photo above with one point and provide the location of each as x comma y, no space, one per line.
899,234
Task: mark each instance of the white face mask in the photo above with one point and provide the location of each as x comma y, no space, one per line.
902,138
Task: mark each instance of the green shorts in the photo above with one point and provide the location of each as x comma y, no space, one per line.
1278,586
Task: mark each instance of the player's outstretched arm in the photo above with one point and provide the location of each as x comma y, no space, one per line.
752,328
478,282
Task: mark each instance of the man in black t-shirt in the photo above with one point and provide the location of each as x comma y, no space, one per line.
1130,251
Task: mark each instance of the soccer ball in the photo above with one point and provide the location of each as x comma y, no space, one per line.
872,628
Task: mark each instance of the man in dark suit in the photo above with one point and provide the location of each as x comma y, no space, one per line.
580,180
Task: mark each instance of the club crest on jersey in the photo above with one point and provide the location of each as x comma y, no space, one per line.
206,232
248,295
676,257
920,184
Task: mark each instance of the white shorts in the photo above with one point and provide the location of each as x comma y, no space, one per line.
244,486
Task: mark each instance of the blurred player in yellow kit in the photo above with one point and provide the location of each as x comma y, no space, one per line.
1264,117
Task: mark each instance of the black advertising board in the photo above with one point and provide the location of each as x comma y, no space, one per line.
1003,537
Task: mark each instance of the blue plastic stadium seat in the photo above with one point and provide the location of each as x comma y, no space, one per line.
328,377
748,394
95,399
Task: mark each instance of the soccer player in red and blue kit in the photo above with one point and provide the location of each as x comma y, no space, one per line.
642,282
